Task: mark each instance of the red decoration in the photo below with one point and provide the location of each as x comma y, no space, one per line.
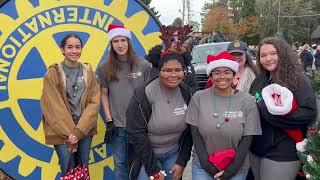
313,131
80,172
222,159
156,176
227,119
167,32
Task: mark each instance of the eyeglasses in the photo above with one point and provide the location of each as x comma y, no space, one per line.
221,74
172,70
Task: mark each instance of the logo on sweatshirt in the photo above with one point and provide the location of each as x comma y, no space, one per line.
30,36
180,110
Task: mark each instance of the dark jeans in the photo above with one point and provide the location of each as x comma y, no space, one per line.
84,146
165,161
119,147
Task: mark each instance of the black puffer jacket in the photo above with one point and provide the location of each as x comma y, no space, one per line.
139,148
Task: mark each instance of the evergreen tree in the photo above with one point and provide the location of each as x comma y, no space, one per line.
153,9
177,22
311,156
2,2
248,8
247,12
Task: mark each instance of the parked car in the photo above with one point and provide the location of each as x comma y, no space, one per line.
199,59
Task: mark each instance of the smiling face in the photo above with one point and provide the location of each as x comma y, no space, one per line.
120,45
72,49
222,78
171,74
269,58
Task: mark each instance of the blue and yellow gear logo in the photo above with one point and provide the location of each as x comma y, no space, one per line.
30,33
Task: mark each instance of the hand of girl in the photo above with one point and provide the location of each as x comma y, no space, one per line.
218,175
177,171
72,139
72,147
72,150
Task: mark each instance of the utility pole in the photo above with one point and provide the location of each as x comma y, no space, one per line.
188,12
279,10
183,10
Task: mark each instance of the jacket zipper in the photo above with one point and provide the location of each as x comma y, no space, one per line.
145,120
131,169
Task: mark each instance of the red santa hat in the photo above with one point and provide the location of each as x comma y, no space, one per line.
224,59
115,30
276,93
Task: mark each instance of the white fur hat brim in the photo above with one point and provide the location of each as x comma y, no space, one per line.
286,97
233,65
118,32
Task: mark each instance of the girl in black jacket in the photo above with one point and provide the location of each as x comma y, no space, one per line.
274,152
160,141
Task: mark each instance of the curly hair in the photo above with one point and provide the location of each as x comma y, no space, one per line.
154,55
288,67
250,64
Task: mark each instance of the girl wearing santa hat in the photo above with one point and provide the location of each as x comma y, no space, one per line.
223,122
281,84
119,75
247,69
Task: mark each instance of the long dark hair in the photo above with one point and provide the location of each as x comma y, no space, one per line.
249,63
112,63
288,67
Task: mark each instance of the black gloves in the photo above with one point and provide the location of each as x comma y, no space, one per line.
109,132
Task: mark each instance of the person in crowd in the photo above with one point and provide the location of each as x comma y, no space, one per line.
274,154
70,102
217,37
306,57
190,75
119,75
247,69
160,141
223,122
317,58
313,49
